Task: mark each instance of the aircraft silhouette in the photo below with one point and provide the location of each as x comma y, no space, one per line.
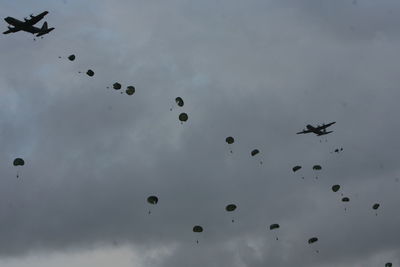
27,25
319,130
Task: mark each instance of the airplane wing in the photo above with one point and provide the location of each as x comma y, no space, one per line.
304,132
11,30
35,19
325,126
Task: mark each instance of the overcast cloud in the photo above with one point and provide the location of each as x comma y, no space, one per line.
255,70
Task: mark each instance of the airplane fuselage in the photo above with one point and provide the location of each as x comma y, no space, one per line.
20,25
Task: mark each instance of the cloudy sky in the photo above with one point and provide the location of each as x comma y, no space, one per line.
255,70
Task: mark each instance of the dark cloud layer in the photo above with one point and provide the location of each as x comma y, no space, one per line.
258,71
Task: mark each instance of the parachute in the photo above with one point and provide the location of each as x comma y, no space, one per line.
71,57
296,168
388,264
317,167
230,140
197,229
18,162
313,240
179,101
130,90
346,199
153,200
183,117
255,152
335,188
375,207
90,73
230,207
273,227
117,86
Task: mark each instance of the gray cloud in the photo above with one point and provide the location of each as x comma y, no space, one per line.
257,71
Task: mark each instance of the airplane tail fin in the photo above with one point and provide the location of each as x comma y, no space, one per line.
44,27
44,30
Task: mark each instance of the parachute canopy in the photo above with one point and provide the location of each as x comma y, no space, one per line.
375,206
296,168
90,73
18,162
183,117
179,101
71,57
389,264
152,200
345,199
317,167
273,226
197,229
335,188
117,86
130,90
230,207
230,140
312,240
255,152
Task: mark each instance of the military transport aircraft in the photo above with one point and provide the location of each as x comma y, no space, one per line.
27,25
319,130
